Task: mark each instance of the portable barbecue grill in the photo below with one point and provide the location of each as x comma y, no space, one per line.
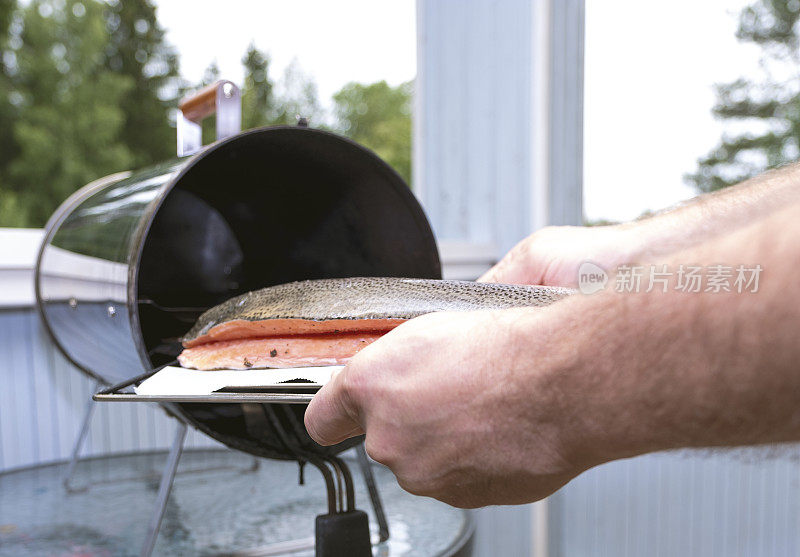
130,261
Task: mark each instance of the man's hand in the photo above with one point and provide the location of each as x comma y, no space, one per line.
453,406
551,256
503,407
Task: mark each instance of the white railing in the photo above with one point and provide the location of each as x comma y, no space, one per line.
43,398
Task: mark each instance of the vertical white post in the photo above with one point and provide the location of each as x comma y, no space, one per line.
540,192
497,153
540,109
418,120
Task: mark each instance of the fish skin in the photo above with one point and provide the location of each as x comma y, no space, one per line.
366,298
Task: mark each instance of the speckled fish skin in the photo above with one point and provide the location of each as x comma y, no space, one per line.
369,298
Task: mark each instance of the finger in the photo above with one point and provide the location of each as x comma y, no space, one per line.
488,276
330,418
514,268
507,270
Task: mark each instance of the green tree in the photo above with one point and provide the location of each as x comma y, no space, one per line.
265,102
71,116
297,97
210,75
8,146
138,49
258,95
379,117
209,125
769,108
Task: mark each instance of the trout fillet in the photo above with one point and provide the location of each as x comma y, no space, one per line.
326,322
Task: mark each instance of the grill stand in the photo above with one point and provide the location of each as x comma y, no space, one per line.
164,487
342,532
374,495
81,439
76,449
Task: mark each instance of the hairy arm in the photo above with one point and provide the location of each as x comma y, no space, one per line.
552,255
506,406
691,370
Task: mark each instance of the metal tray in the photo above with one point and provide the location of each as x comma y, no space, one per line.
277,393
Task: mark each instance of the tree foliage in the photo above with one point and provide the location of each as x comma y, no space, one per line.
378,116
87,86
138,49
9,203
71,116
768,110
258,90
266,102
85,90
297,98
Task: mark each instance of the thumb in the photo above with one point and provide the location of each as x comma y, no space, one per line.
330,417
509,270
518,266
489,276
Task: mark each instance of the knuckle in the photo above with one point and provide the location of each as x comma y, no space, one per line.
461,501
352,385
417,485
530,244
381,451
366,359
519,251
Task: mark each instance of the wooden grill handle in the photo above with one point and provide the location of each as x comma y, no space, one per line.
202,103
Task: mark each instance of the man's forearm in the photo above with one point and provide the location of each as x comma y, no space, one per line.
653,371
554,255
506,406
711,214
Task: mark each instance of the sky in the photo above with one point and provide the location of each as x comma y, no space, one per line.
333,41
649,74
649,69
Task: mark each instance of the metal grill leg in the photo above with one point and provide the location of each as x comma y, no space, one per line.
76,449
167,476
374,495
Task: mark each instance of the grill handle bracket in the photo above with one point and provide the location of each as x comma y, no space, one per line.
222,98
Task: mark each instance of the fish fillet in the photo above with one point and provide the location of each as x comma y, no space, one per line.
326,322
277,352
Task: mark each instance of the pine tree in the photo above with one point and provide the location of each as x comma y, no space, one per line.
8,147
258,97
72,114
209,125
210,75
769,108
297,98
138,49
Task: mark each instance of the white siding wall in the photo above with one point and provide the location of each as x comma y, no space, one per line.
42,396
498,117
721,504
498,147
42,400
